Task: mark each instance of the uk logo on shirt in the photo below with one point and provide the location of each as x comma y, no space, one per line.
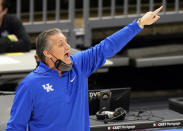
48,87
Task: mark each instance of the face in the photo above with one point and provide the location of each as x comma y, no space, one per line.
2,12
59,48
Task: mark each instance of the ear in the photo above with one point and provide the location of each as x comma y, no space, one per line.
47,54
36,58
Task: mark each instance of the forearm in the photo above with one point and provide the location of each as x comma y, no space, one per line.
7,45
23,43
114,43
20,45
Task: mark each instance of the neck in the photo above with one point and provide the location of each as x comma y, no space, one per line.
52,66
59,72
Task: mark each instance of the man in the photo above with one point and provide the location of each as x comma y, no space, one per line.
54,97
12,33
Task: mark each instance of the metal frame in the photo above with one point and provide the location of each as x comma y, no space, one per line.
66,25
125,18
92,23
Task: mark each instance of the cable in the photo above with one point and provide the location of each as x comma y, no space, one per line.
144,114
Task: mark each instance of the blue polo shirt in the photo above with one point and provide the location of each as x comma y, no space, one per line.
45,101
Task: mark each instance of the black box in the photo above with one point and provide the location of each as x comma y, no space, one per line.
120,97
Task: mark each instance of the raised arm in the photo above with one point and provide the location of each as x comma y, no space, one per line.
95,57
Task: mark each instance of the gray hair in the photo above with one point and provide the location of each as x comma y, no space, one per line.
42,42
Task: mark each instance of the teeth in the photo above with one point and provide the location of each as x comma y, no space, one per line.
67,56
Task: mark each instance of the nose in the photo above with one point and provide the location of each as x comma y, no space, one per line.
67,46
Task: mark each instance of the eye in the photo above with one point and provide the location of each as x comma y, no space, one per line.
60,44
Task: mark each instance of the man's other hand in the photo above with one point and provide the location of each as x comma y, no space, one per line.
15,39
150,17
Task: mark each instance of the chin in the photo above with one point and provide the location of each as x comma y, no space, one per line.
68,62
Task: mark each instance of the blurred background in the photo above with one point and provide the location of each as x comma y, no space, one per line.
151,64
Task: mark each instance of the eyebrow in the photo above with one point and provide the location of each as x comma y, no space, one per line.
61,40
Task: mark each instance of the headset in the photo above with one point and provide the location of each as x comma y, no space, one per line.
108,116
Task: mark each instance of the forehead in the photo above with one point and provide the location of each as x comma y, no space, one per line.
56,38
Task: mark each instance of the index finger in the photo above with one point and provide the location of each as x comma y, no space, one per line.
158,10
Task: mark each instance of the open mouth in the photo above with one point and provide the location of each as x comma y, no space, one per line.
67,56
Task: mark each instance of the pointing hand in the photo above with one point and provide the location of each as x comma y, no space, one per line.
150,17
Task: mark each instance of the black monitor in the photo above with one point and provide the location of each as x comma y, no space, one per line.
119,97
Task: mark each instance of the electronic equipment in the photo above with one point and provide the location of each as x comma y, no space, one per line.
111,99
108,116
